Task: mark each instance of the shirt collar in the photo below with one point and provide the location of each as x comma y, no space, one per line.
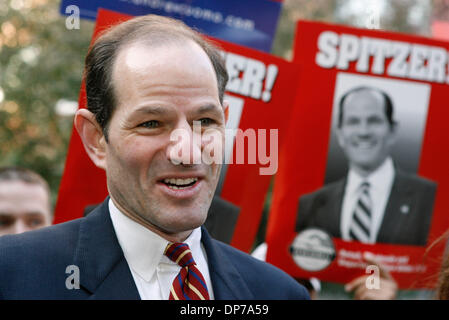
144,249
377,179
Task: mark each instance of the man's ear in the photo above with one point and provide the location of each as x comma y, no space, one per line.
92,136
226,109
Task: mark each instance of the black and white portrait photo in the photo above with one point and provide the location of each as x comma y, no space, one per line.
372,193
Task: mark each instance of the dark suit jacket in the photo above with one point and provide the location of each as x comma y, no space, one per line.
33,265
407,217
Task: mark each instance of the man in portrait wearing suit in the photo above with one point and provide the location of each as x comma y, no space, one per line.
375,202
145,78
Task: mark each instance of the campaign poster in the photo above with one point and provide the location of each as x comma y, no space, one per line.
364,167
261,99
251,23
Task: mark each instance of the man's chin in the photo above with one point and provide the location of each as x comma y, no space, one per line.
367,166
184,221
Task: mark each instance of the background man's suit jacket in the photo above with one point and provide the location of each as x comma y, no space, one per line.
407,217
33,265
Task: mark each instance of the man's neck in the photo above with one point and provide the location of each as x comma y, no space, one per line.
171,237
366,172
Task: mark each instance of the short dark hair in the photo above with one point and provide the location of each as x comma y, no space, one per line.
24,175
150,29
388,104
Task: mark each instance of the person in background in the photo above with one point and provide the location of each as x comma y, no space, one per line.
442,287
24,201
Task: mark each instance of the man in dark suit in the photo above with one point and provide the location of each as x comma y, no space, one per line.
149,81
376,202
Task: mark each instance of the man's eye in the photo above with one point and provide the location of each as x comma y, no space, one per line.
352,122
150,124
206,121
6,221
375,121
35,222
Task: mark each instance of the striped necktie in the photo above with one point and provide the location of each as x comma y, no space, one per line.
360,228
189,284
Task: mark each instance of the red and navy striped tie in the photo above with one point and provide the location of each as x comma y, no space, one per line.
189,284
360,228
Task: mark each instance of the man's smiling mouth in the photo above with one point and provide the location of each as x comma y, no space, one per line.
364,144
176,183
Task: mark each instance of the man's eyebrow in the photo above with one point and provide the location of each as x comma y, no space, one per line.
209,108
156,110
4,214
35,213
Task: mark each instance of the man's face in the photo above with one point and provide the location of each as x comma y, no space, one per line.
23,207
158,90
365,134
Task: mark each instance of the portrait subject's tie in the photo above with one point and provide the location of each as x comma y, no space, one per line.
189,284
360,228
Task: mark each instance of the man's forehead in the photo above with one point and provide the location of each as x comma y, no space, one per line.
368,101
140,62
21,198
141,70
20,189
139,54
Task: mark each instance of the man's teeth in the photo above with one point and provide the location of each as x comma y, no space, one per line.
365,145
180,183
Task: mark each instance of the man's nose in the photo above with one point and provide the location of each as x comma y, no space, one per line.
185,144
364,130
20,226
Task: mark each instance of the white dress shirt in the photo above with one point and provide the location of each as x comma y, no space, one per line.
152,271
381,182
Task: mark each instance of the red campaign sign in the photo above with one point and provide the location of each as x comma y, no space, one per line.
322,222
260,100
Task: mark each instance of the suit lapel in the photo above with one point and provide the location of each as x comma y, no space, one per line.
226,280
329,209
399,207
104,271
337,203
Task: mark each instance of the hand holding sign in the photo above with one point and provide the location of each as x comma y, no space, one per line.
379,285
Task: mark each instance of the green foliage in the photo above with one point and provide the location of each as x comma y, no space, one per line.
41,62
